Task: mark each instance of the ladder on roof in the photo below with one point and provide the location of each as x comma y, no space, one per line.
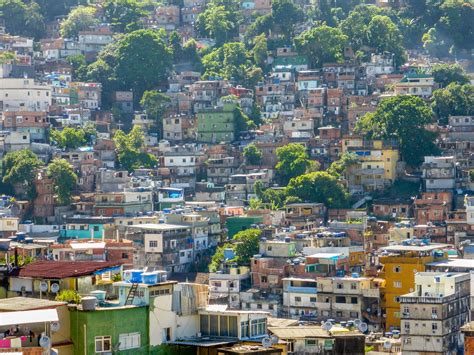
131,294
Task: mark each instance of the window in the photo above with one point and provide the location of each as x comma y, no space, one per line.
397,269
259,327
339,314
354,300
396,299
167,334
340,299
103,344
153,244
297,299
129,341
397,284
311,342
312,299
259,306
244,329
340,286
353,286
263,279
434,326
270,306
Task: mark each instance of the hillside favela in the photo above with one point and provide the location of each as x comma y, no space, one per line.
229,177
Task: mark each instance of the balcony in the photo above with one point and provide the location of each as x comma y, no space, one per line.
371,292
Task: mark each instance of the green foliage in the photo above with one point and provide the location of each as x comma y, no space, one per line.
22,18
22,260
69,296
252,155
79,19
369,30
19,167
79,66
401,189
136,53
245,246
69,137
318,187
154,103
260,50
402,117
130,152
64,180
52,9
321,44
339,167
124,15
219,22
292,161
454,100
286,15
445,74
232,61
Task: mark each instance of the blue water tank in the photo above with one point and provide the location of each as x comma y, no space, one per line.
229,254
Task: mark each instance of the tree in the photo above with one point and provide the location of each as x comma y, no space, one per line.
245,245
79,66
218,23
260,50
321,44
64,180
53,9
403,118
130,148
445,74
155,104
19,167
384,36
318,187
454,100
286,15
142,61
252,155
22,18
339,167
175,41
124,15
292,161
69,137
79,19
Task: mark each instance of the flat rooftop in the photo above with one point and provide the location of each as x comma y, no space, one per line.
429,247
15,304
159,226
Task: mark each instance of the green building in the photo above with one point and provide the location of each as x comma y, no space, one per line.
236,224
111,330
218,124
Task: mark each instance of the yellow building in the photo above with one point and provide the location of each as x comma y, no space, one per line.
400,264
377,166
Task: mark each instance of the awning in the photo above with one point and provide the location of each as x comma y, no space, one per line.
28,317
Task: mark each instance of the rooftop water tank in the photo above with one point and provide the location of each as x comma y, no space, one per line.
100,295
88,303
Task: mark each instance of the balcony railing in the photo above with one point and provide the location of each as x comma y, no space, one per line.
296,289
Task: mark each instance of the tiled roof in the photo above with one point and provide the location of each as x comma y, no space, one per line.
62,269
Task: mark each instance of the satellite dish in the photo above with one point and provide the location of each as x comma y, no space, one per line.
55,288
363,327
43,286
357,322
55,326
327,326
274,339
266,342
44,341
387,345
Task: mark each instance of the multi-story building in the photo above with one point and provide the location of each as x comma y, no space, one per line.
432,207
165,246
217,124
35,123
415,84
24,95
431,316
340,298
123,203
439,173
377,165
225,285
400,263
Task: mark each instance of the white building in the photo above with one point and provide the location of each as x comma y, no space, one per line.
24,95
432,315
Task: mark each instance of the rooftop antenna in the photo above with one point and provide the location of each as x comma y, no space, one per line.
363,327
327,326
